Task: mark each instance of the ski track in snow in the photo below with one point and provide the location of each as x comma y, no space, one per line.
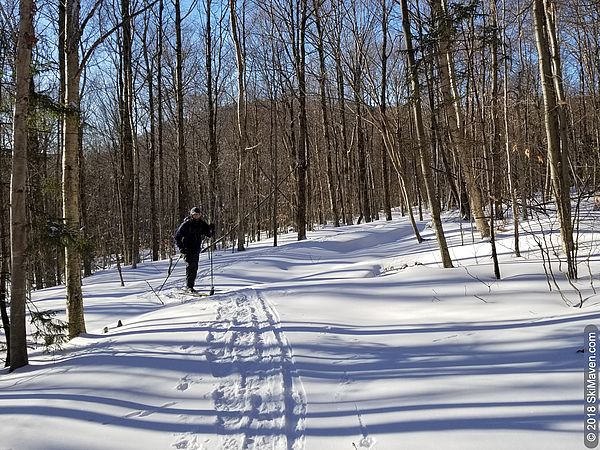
259,400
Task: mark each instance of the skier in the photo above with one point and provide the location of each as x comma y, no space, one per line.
188,238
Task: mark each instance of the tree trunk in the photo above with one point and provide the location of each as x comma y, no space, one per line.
435,143
363,187
387,206
18,188
391,146
213,162
496,142
135,230
4,276
457,131
424,157
331,182
302,154
183,183
163,223
70,168
35,201
242,122
408,202
343,180
495,203
555,121
4,259
127,187
154,216
509,158
88,255
274,146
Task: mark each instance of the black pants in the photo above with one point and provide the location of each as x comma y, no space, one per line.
191,268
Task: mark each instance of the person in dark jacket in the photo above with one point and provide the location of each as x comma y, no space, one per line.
188,238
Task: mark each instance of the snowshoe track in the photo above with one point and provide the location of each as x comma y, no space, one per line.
259,401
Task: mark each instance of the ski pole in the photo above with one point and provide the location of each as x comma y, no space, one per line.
155,293
212,280
169,274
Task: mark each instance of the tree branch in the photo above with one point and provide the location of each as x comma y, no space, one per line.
87,55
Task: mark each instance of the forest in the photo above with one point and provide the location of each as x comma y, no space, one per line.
274,116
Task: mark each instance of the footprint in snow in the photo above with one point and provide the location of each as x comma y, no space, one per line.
186,382
366,442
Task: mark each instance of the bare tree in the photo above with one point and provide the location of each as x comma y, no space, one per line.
424,156
342,121
213,153
333,80
555,122
495,201
357,70
127,141
242,113
460,141
509,158
159,130
70,168
385,19
18,189
299,50
326,126
182,183
152,141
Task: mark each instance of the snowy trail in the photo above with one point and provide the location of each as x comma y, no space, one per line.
387,348
259,400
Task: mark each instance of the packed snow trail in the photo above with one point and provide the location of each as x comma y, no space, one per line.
392,351
259,400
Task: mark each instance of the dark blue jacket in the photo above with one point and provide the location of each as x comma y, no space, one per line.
190,234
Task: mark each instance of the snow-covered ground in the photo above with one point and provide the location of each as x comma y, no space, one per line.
353,339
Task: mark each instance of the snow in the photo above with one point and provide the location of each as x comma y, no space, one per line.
353,339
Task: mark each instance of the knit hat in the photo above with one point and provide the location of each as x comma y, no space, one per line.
195,210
